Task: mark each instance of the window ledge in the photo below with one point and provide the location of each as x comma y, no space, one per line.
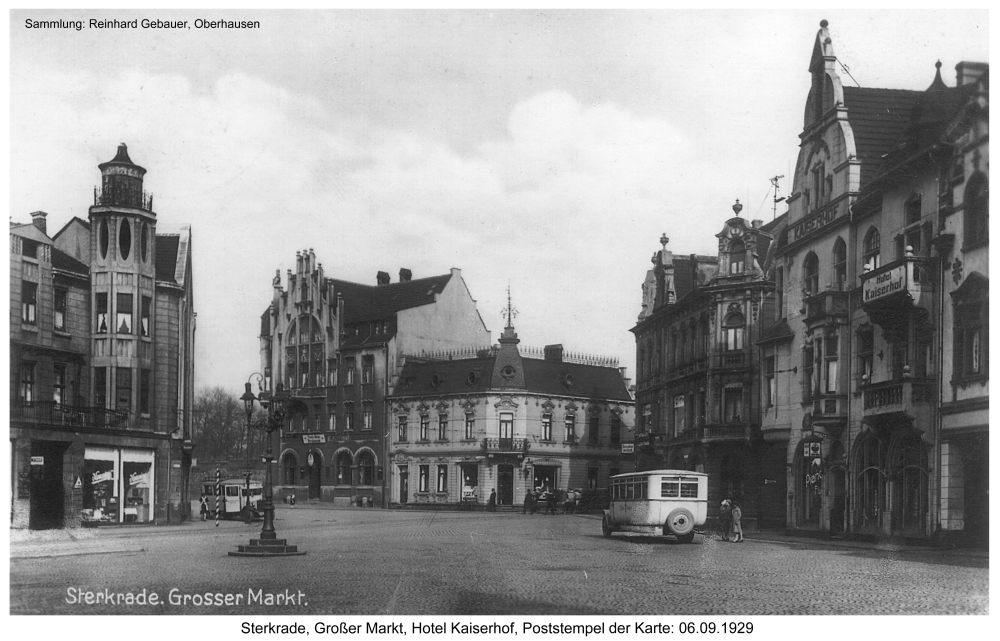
29,327
62,333
965,381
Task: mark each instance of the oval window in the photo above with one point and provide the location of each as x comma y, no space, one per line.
125,239
104,239
144,242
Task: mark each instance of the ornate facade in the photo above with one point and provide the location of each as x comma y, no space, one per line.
698,380
102,365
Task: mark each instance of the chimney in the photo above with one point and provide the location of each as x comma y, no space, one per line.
554,353
38,220
968,72
382,278
405,275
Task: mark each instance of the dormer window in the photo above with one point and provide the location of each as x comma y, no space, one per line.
737,256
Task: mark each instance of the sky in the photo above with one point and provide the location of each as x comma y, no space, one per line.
546,151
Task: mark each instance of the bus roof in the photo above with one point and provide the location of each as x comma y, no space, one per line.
659,473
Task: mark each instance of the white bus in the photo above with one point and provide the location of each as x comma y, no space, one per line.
668,502
234,498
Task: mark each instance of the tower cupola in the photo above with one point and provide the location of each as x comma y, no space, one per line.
121,183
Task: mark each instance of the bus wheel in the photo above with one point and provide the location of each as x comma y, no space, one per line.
680,523
606,528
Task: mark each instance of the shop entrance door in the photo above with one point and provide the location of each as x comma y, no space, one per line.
46,506
505,485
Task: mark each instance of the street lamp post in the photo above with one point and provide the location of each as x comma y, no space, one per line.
268,544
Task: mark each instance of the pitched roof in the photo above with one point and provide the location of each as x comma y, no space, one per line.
878,117
63,261
780,331
474,376
374,302
166,257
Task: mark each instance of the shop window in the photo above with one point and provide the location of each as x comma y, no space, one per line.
470,481
840,264
470,426
442,427
976,221
546,427
29,301
101,387
871,250
26,387
442,478
367,369
147,304
616,429
810,275
971,332
366,468
123,314
145,389
401,429
342,465
425,427
770,385
570,428
59,309
423,480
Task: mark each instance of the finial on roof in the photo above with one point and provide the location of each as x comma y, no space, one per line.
664,240
738,207
510,312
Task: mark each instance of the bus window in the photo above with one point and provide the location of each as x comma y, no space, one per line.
630,491
670,489
689,488
232,490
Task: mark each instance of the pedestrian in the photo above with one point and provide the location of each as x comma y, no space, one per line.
204,506
725,519
551,503
527,502
491,504
570,505
535,497
736,515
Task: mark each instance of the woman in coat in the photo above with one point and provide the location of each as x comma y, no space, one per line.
736,515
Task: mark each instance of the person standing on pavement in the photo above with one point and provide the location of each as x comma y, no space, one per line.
491,504
527,502
551,503
204,506
736,515
725,519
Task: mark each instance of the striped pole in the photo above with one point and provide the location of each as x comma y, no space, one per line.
218,491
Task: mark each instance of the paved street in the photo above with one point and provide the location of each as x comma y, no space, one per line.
450,563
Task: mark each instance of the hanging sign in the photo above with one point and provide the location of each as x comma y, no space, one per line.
78,484
37,460
886,283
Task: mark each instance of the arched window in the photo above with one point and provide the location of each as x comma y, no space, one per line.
977,207
366,468
840,264
342,468
871,250
732,329
288,465
810,274
737,256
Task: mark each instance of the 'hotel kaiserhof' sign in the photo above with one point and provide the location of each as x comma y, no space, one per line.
813,223
884,284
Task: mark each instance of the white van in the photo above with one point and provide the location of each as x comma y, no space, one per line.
668,502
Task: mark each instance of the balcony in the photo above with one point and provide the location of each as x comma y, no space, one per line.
897,397
117,196
505,445
824,305
732,359
49,413
902,284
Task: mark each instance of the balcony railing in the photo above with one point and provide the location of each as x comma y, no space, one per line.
51,413
505,445
726,431
732,359
897,396
828,303
117,197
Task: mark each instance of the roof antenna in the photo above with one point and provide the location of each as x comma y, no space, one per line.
774,183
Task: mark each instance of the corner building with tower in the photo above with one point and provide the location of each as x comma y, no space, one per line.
102,362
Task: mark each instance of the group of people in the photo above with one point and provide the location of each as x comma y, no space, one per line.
730,516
